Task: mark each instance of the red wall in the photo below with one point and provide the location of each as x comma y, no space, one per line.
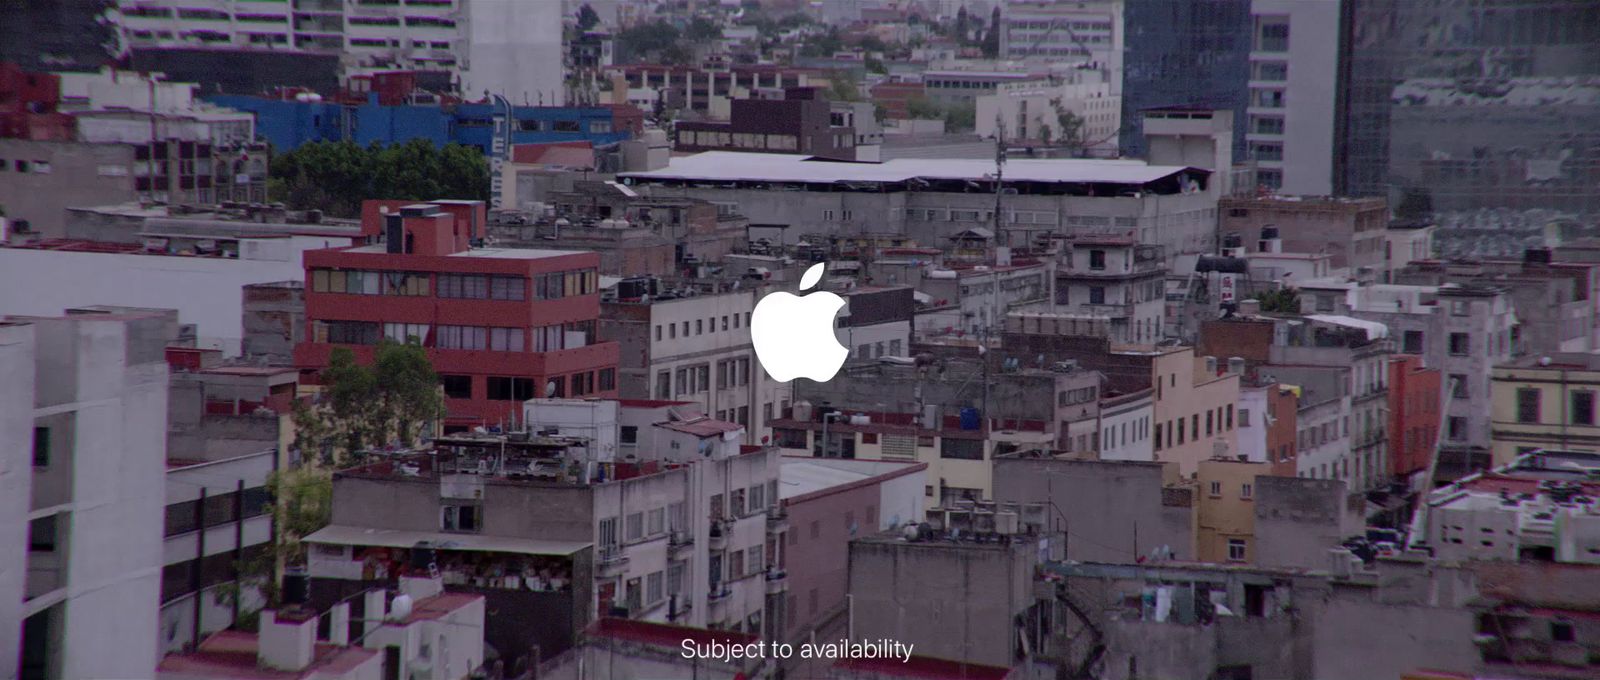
1415,394
1285,407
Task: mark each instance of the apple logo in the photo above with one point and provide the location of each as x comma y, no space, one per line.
793,335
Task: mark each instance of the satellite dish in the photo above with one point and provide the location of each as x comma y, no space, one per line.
400,608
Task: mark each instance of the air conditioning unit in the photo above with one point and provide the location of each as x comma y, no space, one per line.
1006,523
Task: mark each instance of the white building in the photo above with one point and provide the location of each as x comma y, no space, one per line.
1294,64
1117,278
1088,34
90,390
1125,427
1541,504
1033,111
497,46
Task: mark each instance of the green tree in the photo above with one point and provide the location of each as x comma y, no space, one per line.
841,88
701,29
922,108
642,41
872,43
336,177
587,18
330,176
1282,300
363,407
991,40
961,117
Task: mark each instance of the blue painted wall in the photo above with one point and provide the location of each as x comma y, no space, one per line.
288,124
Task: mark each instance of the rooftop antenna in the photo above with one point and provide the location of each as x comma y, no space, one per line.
994,273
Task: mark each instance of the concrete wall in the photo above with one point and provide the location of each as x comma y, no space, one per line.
78,175
1101,505
205,291
16,455
1297,520
953,601
508,46
818,553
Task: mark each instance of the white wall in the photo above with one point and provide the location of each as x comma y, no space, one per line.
514,49
900,500
853,337
1253,435
16,471
1308,92
1139,421
205,291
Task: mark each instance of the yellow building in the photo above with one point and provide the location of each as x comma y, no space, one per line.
1225,510
1545,403
1194,408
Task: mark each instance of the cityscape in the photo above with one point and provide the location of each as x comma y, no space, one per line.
791,339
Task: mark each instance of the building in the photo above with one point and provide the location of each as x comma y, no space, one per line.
700,88
957,88
1298,520
501,325
827,503
969,298
1182,54
1197,136
634,235
935,198
671,348
1140,509
799,122
287,123
90,505
1123,432
1295,62
1079,112
1118,278
1544,402
59,36
986,605
420,627
1554,300
1267,426
1353,231
613,647
1086,35
1411,121
1537,506
876,321
1414,415
215,529
1225,509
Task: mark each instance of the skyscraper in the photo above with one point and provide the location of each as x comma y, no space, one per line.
1184,53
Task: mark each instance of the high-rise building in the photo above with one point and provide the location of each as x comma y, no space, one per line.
1077,35
1293,68
1184,53
1470,105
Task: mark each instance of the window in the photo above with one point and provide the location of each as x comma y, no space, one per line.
501,388
461,337
1528,405
456,386
1456,428
608,532
465,286
962,449
635,526
789,438
506,339
736,503
1216,489
1235,550
658,332
758,498
1412,342
1460,344
1097,259
675,578
1274,38
1458,385
735,564
41,447
1582,408
1562,631
1246,490
653,588
462,518
1244,417
630,434
1228,417
1097,295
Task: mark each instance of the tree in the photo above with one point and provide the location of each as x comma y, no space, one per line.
1283,300
961,117
823,45
991,40
335,177
921,108
587,18
841,88
1071,128
639,42
701,29
872,43
363,407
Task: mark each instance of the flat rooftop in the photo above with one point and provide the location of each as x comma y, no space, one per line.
801,475
499,253
729,166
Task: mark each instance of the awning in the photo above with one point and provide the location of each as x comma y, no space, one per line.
1374,329
394,538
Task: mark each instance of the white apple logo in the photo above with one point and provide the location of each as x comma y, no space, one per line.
793,335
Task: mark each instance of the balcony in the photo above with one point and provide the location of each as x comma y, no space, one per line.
1114,311
777,581
719,595
718,539
777,519
678,541
610,561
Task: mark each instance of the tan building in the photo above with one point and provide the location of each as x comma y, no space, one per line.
1194,408
1353,230
1225,509
1545,402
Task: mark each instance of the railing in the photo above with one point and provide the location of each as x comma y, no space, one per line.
1116,311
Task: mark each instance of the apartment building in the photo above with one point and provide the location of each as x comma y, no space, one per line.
1084,35
694,348
86,399
1294,72
218,525
1168,205
501,325
1537,505
1225,509
1124,428
1268,421
703,88
1545,402
1554,300
670,524
1118,278
1353,231
486,44
1077,110
971,299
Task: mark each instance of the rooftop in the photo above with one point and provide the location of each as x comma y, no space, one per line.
802,476
922,667
662,634
1568,361
766,167
336,534
232,654
501,253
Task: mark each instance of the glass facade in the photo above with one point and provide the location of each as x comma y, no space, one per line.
1184,53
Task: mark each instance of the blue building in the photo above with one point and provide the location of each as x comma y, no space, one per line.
288,124
1184,53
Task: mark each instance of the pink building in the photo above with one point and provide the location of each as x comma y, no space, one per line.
830,501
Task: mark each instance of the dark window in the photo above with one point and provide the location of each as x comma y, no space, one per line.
1561,631
630,434
1412,344
1460,344
1456,428
1097,259
1458,385
963,449
869,437
257,502
41,446
461,518
608,379
42,534
510,389
181,518
1097,295
789,439
221,509
457,386
1582,408
1528,405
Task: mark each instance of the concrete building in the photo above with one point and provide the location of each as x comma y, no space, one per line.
970,299
876,321
1294,71
827,503
1199,136
1414,415
1407,242
1034,111
936,198
1124,429
90,389
522,323
1537,506
699,88
1225,509
800,121
1267,426
1554,300
634,235
1139,509
1114,277
1353,231
962,87
218,524
1086,35
1298,520
1546,402
984,604
421,629
694,348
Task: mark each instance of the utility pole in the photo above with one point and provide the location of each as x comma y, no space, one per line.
994,272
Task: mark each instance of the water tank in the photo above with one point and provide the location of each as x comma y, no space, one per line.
296,587
970,420
860,419
802,411
400,607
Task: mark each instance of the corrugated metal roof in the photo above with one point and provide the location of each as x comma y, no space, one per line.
729,166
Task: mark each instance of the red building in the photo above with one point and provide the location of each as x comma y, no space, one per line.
28,104
502,325
1414,404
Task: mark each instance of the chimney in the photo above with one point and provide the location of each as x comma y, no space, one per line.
287,639
1236,366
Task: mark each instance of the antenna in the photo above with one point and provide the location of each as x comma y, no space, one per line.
994,272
